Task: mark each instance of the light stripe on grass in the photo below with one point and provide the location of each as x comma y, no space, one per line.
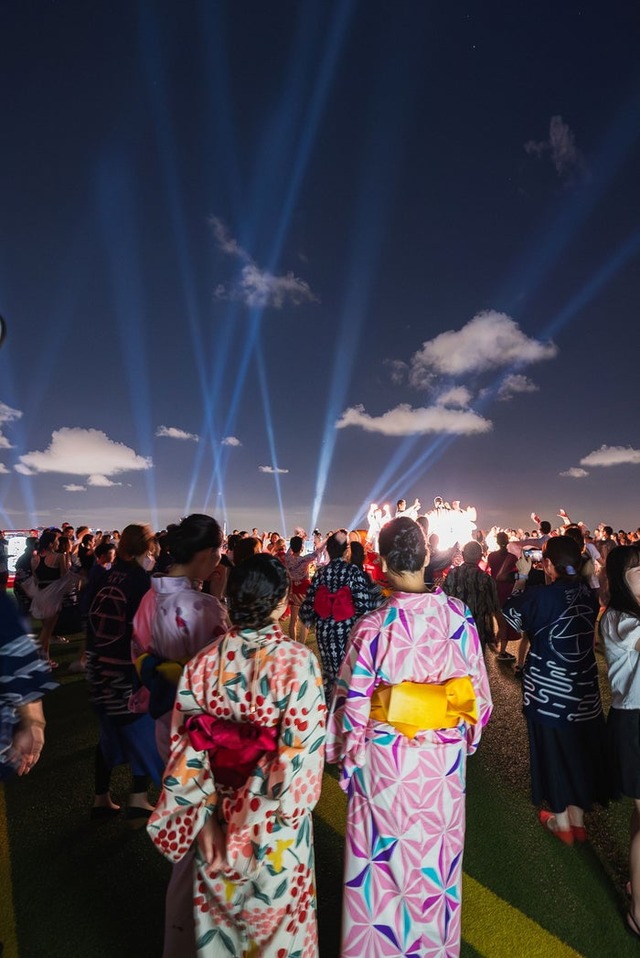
492,926
498,930
7,917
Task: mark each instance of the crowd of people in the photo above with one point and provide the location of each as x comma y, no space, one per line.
200,689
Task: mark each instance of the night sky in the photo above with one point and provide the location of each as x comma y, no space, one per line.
274,260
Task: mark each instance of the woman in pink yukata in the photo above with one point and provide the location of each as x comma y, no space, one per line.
410,704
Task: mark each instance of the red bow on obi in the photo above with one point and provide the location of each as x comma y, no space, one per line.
234,748
335,605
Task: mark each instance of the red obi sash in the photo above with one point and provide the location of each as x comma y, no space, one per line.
234,748
335,605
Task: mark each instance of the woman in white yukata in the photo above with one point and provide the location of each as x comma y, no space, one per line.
620,631
174,622
410,704
245,771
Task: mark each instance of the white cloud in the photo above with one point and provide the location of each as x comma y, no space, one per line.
397,370
97,479
515,384
561,146
225,240
458,396
83,452
575,473
231,441
74,487
490,340
407,421
172,432
612,456
272,471
24,470
7,414
258,287
3,469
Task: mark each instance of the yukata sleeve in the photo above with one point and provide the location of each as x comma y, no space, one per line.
472,650
367,595
307,612
621,631
188,795
513,611
351,705
24,674
142,640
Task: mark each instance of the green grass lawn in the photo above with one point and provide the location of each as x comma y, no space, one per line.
83,890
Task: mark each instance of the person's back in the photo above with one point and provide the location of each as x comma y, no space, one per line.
477,590
339,594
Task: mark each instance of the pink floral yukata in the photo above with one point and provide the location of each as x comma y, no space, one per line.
263,902
406,811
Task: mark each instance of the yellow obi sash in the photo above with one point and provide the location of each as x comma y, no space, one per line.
169,669
412,707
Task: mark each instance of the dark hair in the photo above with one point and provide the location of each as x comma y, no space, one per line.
472,552
545,527
402,545
423,522
575,532
295,544
619,561
134,541
563,553
48,538
337,545
502,540
246,548
195,533
103,547
254,589
357,554
608,530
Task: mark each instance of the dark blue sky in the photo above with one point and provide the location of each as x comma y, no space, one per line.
275,260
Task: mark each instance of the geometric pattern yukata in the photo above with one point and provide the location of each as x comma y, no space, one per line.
406,809
263,900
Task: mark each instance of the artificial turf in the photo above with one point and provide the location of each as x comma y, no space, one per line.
86,890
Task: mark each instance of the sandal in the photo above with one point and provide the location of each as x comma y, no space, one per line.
565,835
137,817
579,833
52,665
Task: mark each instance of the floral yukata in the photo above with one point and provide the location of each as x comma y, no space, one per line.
406,811
263,901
